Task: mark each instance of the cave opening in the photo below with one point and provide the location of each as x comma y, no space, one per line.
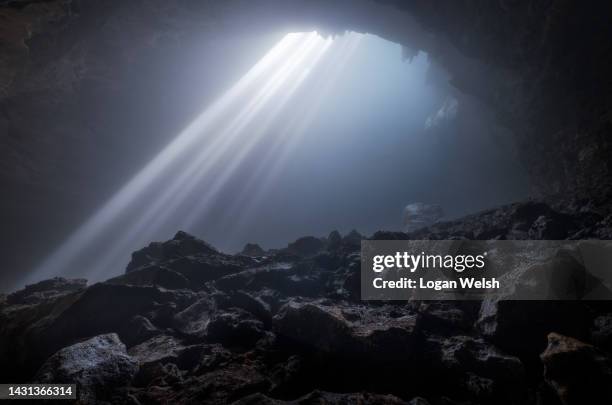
324,132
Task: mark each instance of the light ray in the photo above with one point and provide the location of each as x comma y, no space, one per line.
238,159
61,259
277,156
185,184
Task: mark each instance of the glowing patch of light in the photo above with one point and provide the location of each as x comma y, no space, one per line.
189,159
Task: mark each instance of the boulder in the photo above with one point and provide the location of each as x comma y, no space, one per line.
444,318
153,275
113,306
579,373
100,367
349,331
137,330
474,369
45,290
235,327
168,357
181,245
194,319
241,299
286,279
518,319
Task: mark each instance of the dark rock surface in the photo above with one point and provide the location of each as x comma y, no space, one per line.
188,324
579,372
99,366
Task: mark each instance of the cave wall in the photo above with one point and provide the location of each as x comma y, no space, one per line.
68,69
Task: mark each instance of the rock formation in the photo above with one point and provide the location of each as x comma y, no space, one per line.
190,324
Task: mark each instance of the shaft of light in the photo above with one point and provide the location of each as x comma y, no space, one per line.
105,216
167,203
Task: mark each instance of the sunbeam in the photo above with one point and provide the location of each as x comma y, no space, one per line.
199,155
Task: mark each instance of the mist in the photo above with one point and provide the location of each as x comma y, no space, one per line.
339,134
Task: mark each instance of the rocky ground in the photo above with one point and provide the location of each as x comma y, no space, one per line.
189,324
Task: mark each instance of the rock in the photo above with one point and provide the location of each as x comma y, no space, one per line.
286,279
444,318
240,299
518,319
235,327
419,215
99,366
137,330
170,358
252,249
181,245
306,246
342,330
475,369
104,308
549,228
153,276
45,290
579,372
521,327
194,319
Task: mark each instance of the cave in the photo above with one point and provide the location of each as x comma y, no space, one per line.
191,188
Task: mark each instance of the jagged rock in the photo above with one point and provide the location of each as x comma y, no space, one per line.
194,319
235,327
579,372
240,299
99,366
169,358
181,245
521,327
112,306
306,246
348,330
532,219
137,330
222,384
252,249
45,290
153,276
215,328
444,318
286,279
475,369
